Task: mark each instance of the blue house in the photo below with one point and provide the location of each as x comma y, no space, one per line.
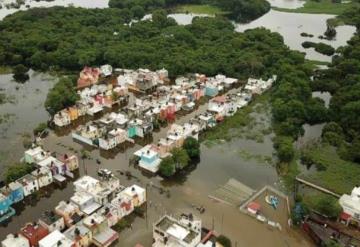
14,191
5,210
149,158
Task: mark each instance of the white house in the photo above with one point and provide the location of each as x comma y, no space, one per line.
136,193
55,239
62,118
43,176
34,155
106,70
85,202
351,206
15,241
52,221
29,183
183,232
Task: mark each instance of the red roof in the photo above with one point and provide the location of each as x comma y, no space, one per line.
34,233
254,206
345,216
219,99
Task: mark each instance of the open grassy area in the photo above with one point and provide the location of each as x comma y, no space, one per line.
199,9
320,7
5,70
339,175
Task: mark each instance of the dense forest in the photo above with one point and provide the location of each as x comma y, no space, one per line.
342,80
238,10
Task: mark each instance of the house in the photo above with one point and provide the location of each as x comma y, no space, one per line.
34,233
80,235
208,120
102,191
106,70
35,155
29,183
123,204
14,191
111,213
183,232
15,241
6,211
52,221
71,162
139,127
58,169
351,206
85,202
55,239
149,158
62,118
113,138
70,212
43,175
136,193
217,105
88,134
211,89
88,77
102,234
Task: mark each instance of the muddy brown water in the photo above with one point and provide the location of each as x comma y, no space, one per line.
217,164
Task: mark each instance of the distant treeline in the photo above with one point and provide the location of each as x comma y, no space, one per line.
239,10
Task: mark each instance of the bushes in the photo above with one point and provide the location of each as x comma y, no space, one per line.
17,171
62,95
40,128
320,47
284,148
172,164
192,147
224,241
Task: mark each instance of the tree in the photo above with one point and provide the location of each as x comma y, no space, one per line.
20,72
62,95
224,241
192,147
138,12
167,167
180,157
284,148
17,171
329,206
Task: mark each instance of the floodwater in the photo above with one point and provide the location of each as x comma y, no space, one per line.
288,4
325,96
25,110
291,25
217,164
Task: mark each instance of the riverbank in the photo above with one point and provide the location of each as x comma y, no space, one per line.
320,7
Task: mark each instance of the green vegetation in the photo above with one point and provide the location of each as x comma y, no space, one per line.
16,171
239,10
20,72
5,69
199,9
192,147
178,160
40,128
320,47
62,95
332,172
324,204
321,7
224,241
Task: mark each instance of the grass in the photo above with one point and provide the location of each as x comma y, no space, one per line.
5,70
315,62
320,7
199,9
339,175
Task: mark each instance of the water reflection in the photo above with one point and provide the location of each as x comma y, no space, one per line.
291,25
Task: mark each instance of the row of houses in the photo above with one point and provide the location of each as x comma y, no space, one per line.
219,107
137,119
48,169
85,220
99,89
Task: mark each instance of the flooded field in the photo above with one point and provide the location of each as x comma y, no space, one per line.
291,25
21,113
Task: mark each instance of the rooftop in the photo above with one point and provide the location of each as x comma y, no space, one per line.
55,239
